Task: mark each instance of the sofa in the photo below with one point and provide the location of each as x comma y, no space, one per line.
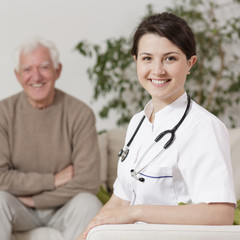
110,143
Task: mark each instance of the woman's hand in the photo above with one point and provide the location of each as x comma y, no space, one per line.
116,211
118,215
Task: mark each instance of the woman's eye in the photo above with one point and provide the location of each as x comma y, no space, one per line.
146,58
170,59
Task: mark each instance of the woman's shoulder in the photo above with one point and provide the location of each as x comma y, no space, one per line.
203,116
200,119
136,118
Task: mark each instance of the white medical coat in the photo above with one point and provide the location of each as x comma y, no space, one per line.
196,168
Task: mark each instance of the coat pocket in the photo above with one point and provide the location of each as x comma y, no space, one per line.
157,187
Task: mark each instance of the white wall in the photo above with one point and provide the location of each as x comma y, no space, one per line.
66,22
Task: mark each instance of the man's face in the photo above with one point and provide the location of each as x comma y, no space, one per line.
37,76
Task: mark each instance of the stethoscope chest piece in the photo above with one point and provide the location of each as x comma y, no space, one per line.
123,154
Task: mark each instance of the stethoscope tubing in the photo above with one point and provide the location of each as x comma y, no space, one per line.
136,131
151,162
172,131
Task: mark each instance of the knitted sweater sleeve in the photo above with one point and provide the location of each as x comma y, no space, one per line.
85,159
13,180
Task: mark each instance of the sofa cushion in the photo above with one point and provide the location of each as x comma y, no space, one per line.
116,138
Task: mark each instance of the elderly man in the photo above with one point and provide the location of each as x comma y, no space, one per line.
49,156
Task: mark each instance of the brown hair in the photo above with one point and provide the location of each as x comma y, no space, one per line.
170,26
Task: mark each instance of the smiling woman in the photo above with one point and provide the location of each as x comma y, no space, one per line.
162,68
153,179
37,70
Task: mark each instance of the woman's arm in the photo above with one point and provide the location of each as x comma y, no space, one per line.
118,211
196,214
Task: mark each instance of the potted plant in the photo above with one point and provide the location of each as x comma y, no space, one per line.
214,82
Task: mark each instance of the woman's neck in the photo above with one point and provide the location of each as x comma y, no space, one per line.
159,104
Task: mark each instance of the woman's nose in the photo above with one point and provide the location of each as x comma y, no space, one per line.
158,68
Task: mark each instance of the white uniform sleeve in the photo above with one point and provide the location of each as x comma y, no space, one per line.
204,161
119,192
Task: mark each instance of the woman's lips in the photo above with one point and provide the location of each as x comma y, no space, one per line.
159,82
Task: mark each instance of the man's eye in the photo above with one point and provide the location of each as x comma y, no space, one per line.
44,67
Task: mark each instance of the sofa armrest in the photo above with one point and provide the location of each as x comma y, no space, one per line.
162,231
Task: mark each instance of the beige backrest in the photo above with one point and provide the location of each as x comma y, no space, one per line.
110,144
234,135
116,138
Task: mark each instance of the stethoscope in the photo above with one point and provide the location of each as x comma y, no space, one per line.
124,152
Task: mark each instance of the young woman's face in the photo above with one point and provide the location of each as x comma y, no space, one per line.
162,68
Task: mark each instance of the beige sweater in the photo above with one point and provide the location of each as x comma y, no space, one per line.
36,144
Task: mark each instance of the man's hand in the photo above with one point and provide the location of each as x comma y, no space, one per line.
63,176
27,201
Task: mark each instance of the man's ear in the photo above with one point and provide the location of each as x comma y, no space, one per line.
135,58
59,70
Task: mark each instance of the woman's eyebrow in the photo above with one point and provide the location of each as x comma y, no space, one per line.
144,53
164,54
168,53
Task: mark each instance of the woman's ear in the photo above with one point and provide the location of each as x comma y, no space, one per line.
192,61
135,58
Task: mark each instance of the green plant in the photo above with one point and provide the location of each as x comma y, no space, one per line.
214,83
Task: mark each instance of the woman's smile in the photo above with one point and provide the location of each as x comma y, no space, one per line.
159,82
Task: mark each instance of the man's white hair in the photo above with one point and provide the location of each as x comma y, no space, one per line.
31,45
